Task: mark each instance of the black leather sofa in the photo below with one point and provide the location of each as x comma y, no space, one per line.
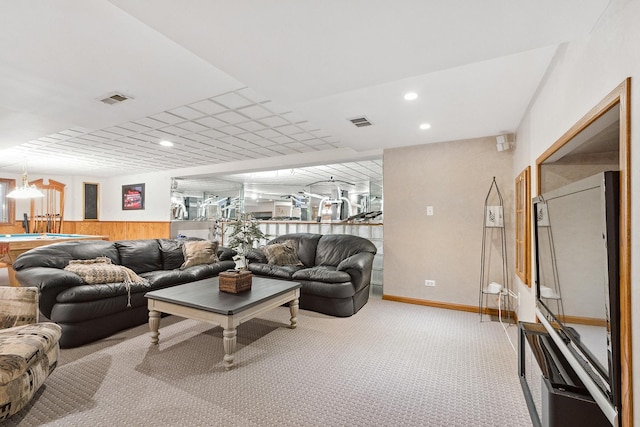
90,312
335,270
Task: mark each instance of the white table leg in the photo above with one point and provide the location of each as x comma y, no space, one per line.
229,341
293,308
154,325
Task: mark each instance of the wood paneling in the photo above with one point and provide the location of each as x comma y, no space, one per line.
120,230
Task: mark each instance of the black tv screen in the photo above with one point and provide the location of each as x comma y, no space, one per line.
576,237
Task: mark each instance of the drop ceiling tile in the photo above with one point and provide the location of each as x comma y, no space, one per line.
71,132
231,117
251,126
167,118
274,121
153,135
197,137
276,108
119,130
265,151
93,137
210,122
232,100
231,130
293,117
146,121
296,145
192,126
138,127
306,149
208,107
304,136
282,139
186,113
252,95
290,130
309,127
174,130
135,140
265,143
248,136
230,139
255,112
267,133
212,133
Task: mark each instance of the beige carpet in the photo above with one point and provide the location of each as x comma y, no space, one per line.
392,364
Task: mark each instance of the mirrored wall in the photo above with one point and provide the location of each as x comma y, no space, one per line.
349,192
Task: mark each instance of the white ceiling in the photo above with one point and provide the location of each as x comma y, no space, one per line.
233,81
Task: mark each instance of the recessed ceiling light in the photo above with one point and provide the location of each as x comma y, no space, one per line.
410,96
425,126
166,143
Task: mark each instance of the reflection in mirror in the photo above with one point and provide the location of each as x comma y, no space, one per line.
595,149
199,204
573,272
351,192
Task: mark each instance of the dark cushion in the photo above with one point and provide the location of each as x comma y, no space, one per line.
278,271
58,255
171,252
226,254
140,255
334,248
162,278
322,274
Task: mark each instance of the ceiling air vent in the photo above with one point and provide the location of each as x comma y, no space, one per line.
360,121
114,99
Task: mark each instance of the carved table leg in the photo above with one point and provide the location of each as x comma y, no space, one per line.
154,325
293,308
229,341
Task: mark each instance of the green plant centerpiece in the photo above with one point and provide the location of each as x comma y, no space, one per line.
245,233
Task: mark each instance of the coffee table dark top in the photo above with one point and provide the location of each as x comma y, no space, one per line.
205,295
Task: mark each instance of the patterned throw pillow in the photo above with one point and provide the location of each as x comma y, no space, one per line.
282,253
199,252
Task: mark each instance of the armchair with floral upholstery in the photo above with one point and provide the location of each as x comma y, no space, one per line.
28,350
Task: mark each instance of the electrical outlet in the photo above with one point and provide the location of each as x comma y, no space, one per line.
430,283
429,210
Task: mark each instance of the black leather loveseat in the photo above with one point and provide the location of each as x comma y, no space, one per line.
88,312
334,270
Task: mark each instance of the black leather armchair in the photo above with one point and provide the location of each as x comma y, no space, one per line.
335,273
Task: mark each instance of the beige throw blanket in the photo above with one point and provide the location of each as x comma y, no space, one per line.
100,270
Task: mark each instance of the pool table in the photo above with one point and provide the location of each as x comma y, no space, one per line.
12,245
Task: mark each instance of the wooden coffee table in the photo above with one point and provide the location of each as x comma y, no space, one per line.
202,300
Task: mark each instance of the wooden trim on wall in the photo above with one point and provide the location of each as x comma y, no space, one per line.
621,95
450,306
523,226
625,252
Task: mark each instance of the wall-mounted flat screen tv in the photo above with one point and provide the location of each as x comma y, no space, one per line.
576,238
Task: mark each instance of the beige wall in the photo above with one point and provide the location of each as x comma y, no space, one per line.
454,178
